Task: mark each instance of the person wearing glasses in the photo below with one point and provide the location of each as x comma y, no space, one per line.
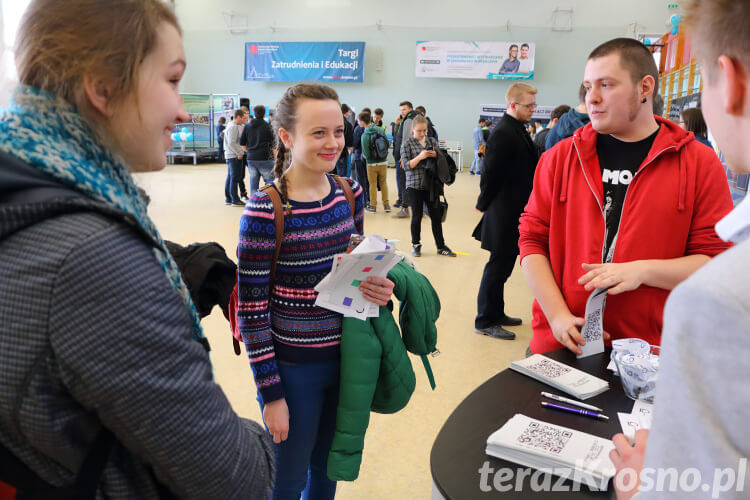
507,178
511,64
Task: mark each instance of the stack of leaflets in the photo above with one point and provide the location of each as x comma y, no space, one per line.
564,452
339,290
560,376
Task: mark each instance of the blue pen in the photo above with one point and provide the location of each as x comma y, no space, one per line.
579,411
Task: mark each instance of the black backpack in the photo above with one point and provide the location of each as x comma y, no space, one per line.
378,147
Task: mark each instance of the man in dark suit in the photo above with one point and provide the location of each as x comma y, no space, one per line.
507,179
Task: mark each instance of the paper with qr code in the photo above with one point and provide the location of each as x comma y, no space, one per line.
339,289
593,329
630,424
553,448
645,413
561,376
639,418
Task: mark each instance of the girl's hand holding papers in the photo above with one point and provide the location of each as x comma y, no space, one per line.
377,290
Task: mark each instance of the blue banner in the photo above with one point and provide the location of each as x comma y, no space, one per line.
298,61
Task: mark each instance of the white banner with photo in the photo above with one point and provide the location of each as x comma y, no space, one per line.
480,60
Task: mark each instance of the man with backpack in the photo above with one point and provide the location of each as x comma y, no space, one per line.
375,152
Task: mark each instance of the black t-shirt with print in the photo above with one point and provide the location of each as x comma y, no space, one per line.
619,161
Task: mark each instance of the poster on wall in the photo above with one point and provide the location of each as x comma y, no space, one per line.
195,133
494,112
305,61
479,60
224,105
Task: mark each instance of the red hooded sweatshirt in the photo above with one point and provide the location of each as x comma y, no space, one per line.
672,204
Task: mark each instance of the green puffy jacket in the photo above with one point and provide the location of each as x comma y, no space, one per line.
376,373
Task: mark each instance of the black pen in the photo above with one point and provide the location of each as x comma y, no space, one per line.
579,411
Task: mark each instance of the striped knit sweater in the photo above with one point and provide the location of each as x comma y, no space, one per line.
291,328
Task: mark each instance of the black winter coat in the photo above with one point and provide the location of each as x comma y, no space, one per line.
507,179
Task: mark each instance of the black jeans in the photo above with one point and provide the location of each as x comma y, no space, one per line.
359,173
417,198
490,299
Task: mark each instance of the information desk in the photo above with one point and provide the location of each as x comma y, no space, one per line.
458,452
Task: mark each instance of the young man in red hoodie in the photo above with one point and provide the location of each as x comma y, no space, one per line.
629,202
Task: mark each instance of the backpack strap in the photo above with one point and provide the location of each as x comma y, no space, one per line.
278,216
347,189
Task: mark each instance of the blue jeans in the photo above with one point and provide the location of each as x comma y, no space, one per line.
401,183
343,165
234,175
258,169
476,165
312,393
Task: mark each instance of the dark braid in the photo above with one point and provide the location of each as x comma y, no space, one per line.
279,168
286,118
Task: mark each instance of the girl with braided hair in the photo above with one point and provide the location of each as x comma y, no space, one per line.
293,345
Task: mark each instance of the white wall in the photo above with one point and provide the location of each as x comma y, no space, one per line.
216,56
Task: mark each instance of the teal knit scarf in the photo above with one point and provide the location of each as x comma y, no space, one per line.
51,136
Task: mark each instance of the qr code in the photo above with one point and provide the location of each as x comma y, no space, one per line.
591,330
549,369
548,438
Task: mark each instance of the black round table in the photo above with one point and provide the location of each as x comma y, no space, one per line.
458,453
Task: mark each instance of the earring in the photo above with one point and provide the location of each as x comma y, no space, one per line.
644,100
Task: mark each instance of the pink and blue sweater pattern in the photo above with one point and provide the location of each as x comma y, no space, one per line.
285,325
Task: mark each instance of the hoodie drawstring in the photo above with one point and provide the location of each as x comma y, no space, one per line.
566,173
682,194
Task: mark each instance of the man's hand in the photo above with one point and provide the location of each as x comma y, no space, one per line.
276,417
565,330
622,277
377,290
628,459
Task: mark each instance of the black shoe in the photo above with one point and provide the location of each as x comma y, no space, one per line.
238,205
446,251
416,250
496,332
397,204
510,321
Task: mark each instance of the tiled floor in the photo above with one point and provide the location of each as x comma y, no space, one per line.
188,206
